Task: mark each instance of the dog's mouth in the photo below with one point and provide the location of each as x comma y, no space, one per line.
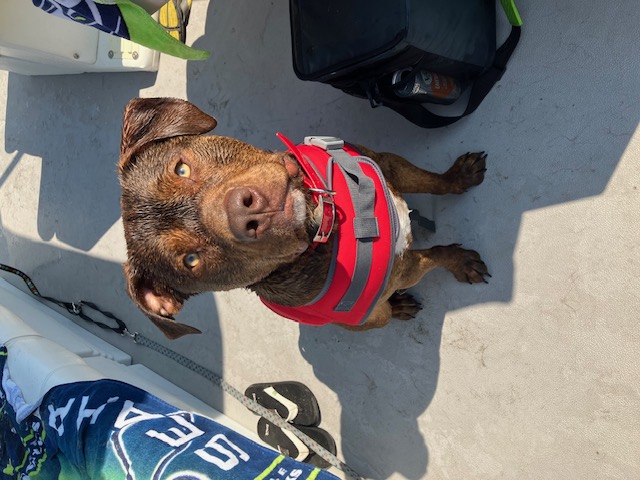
297,207
294,208
276,208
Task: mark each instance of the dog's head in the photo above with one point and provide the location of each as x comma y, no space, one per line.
201,213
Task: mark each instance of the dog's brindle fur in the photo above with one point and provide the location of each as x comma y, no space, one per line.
211,213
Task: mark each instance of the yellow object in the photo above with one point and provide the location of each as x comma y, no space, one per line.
174,17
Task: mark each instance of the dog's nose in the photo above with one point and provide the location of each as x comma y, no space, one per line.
245,207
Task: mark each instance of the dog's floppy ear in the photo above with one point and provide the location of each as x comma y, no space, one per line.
149,119
159,307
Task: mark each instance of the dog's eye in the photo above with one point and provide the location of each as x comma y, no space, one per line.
191,260
183,170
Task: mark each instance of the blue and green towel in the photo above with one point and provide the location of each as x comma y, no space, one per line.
122,18
109,429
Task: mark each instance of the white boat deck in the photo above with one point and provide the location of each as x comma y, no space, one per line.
533,376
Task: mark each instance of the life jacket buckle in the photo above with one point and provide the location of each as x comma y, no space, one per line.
325,143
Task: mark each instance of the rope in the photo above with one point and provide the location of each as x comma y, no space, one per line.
271,415
251,404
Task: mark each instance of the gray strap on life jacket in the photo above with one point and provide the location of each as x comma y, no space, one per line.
365,224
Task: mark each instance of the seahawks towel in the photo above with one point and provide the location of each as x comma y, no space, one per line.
107,429
122,18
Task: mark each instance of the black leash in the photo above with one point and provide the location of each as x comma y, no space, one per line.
75,308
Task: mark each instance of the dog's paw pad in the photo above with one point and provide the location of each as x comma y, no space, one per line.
404,306
470,268
467,171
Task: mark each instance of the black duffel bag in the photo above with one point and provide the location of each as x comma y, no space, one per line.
403,54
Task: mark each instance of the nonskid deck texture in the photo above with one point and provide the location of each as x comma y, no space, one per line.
534,375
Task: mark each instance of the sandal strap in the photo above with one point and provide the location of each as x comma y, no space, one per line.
292,407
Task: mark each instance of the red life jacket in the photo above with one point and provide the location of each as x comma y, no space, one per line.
350,190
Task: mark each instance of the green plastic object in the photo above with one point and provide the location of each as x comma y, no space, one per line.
512,12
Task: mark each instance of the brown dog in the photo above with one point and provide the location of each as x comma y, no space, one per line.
211,213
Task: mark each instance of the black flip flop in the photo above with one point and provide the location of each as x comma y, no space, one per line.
293,401
287,443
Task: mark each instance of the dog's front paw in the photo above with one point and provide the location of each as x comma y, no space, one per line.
468,267
467,171
404,306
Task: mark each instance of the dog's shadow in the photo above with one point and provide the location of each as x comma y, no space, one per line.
385,380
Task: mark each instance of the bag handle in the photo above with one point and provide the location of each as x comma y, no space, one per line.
421,116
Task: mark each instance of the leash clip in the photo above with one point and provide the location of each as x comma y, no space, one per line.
125,332
75,308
